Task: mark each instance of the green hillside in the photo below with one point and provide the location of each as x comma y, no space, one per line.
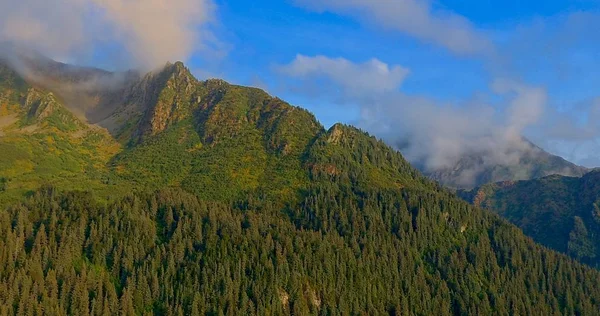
218,199
42,142
560,212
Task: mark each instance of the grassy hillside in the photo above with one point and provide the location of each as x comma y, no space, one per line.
44,143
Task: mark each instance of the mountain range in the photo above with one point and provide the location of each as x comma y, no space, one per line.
158,193
527,162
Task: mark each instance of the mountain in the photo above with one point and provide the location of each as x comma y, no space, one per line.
43,141
524,161
193,197
560,212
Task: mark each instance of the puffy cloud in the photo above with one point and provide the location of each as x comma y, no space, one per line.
416,18
432,134
551,52
373,76
526,107
150,31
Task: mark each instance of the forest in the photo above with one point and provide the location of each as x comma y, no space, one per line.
221,200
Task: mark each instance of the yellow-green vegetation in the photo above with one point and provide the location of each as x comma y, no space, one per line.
42,142
349,154
30,160
229,142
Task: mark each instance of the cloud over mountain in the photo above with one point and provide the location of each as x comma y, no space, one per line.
433,133
539,83
143,33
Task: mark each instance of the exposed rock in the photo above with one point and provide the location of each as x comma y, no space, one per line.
335,134
285,299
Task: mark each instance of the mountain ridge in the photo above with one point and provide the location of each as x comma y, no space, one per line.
213,198
476,169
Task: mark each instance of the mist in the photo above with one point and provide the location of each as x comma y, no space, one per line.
436,135
43,39
488,131
141,34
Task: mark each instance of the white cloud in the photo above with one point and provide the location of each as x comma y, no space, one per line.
554,52
431,133
526,107
416,18
373,76
151,31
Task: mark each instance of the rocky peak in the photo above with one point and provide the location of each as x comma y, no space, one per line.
336,132
178,73
168,97
341,134
44,110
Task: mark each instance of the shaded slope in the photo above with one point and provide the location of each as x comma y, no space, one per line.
91,94
560,212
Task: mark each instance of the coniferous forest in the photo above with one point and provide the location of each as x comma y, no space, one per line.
221,200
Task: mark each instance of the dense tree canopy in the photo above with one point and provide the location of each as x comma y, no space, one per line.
399,251
556,211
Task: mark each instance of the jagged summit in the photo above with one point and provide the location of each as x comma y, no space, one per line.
133,107
170,108
142,107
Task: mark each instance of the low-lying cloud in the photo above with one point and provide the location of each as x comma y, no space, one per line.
537,64
433,134
139,33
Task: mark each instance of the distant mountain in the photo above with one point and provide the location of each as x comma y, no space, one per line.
560,212
476,169
168,195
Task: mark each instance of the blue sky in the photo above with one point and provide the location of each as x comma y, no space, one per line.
261,34
445,76
547,46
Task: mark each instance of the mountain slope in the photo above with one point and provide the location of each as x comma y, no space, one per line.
44,142
559,212
229,201
238,139
527,161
